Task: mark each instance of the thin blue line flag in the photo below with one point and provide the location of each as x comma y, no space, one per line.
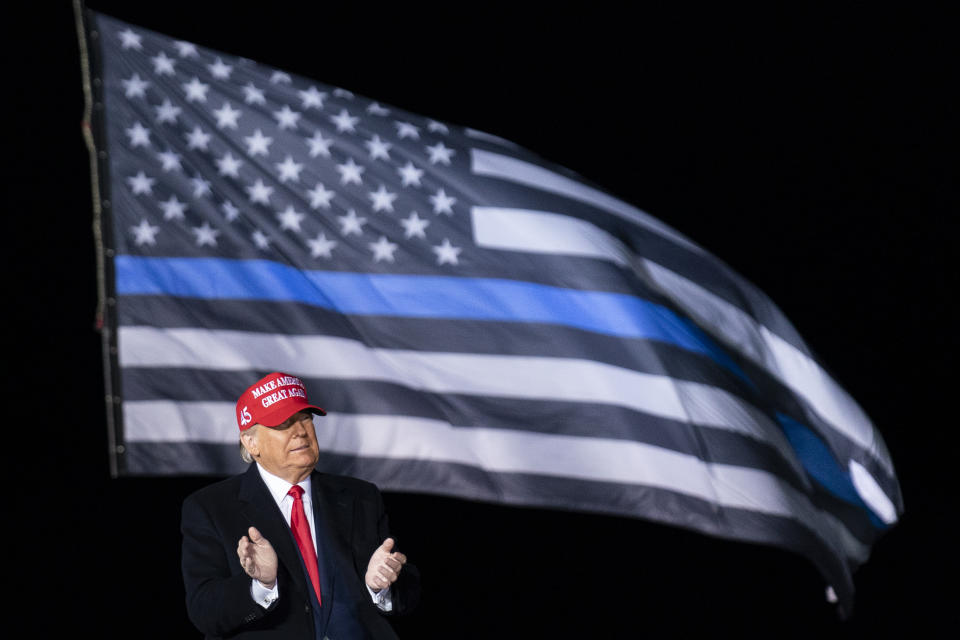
477,321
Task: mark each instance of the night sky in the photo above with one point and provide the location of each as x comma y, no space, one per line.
813,151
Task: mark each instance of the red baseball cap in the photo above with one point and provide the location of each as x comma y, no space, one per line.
272,399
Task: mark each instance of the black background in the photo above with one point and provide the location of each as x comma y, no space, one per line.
814,150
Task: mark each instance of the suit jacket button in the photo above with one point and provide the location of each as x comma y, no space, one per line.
306,608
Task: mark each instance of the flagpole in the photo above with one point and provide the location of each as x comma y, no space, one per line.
103,300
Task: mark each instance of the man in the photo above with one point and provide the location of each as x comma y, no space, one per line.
283,551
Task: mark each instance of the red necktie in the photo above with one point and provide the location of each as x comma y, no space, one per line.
301,533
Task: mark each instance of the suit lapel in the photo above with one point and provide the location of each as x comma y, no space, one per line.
333,518
259,507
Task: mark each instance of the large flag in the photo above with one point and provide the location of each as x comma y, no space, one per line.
477,321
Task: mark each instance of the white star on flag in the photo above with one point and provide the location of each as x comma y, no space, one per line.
350,172
407,130
196,90
259,192
173,209
440,153
378,148
167,112
261,240
227,116
382,199
206,235
344,121
198,139
312,97
410,175
289,170
139,135
258,144
130,40
141,184
287,118
185,49
201,186
320,196
442,203
319,146
321,246
253,95
219,69
169,160
446,253
290,218
383,249
135,86
230,211
228,165
414,225
351,223
162,65
145,233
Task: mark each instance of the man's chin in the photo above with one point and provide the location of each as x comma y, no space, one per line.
305,457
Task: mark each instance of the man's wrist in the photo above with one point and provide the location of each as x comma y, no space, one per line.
381,598
263,595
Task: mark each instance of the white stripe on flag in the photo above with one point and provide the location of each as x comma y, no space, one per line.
872,494
489,137
169,421
543,232
795,369
541,378
508,451
494,165
524,230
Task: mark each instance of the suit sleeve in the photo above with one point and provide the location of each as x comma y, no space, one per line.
405,592
218,600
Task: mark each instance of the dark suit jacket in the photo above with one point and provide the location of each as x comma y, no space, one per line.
350,524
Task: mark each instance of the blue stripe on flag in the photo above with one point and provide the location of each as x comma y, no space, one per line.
822,466
416,296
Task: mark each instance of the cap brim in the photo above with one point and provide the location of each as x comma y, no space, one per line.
278,416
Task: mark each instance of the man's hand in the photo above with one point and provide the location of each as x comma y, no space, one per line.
258,558
384,567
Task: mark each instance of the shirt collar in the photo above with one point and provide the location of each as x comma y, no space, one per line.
278,487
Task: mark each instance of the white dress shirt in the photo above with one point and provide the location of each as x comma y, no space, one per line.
279,489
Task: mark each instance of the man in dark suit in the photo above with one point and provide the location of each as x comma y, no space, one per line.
283,551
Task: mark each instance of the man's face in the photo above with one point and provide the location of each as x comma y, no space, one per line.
289,450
